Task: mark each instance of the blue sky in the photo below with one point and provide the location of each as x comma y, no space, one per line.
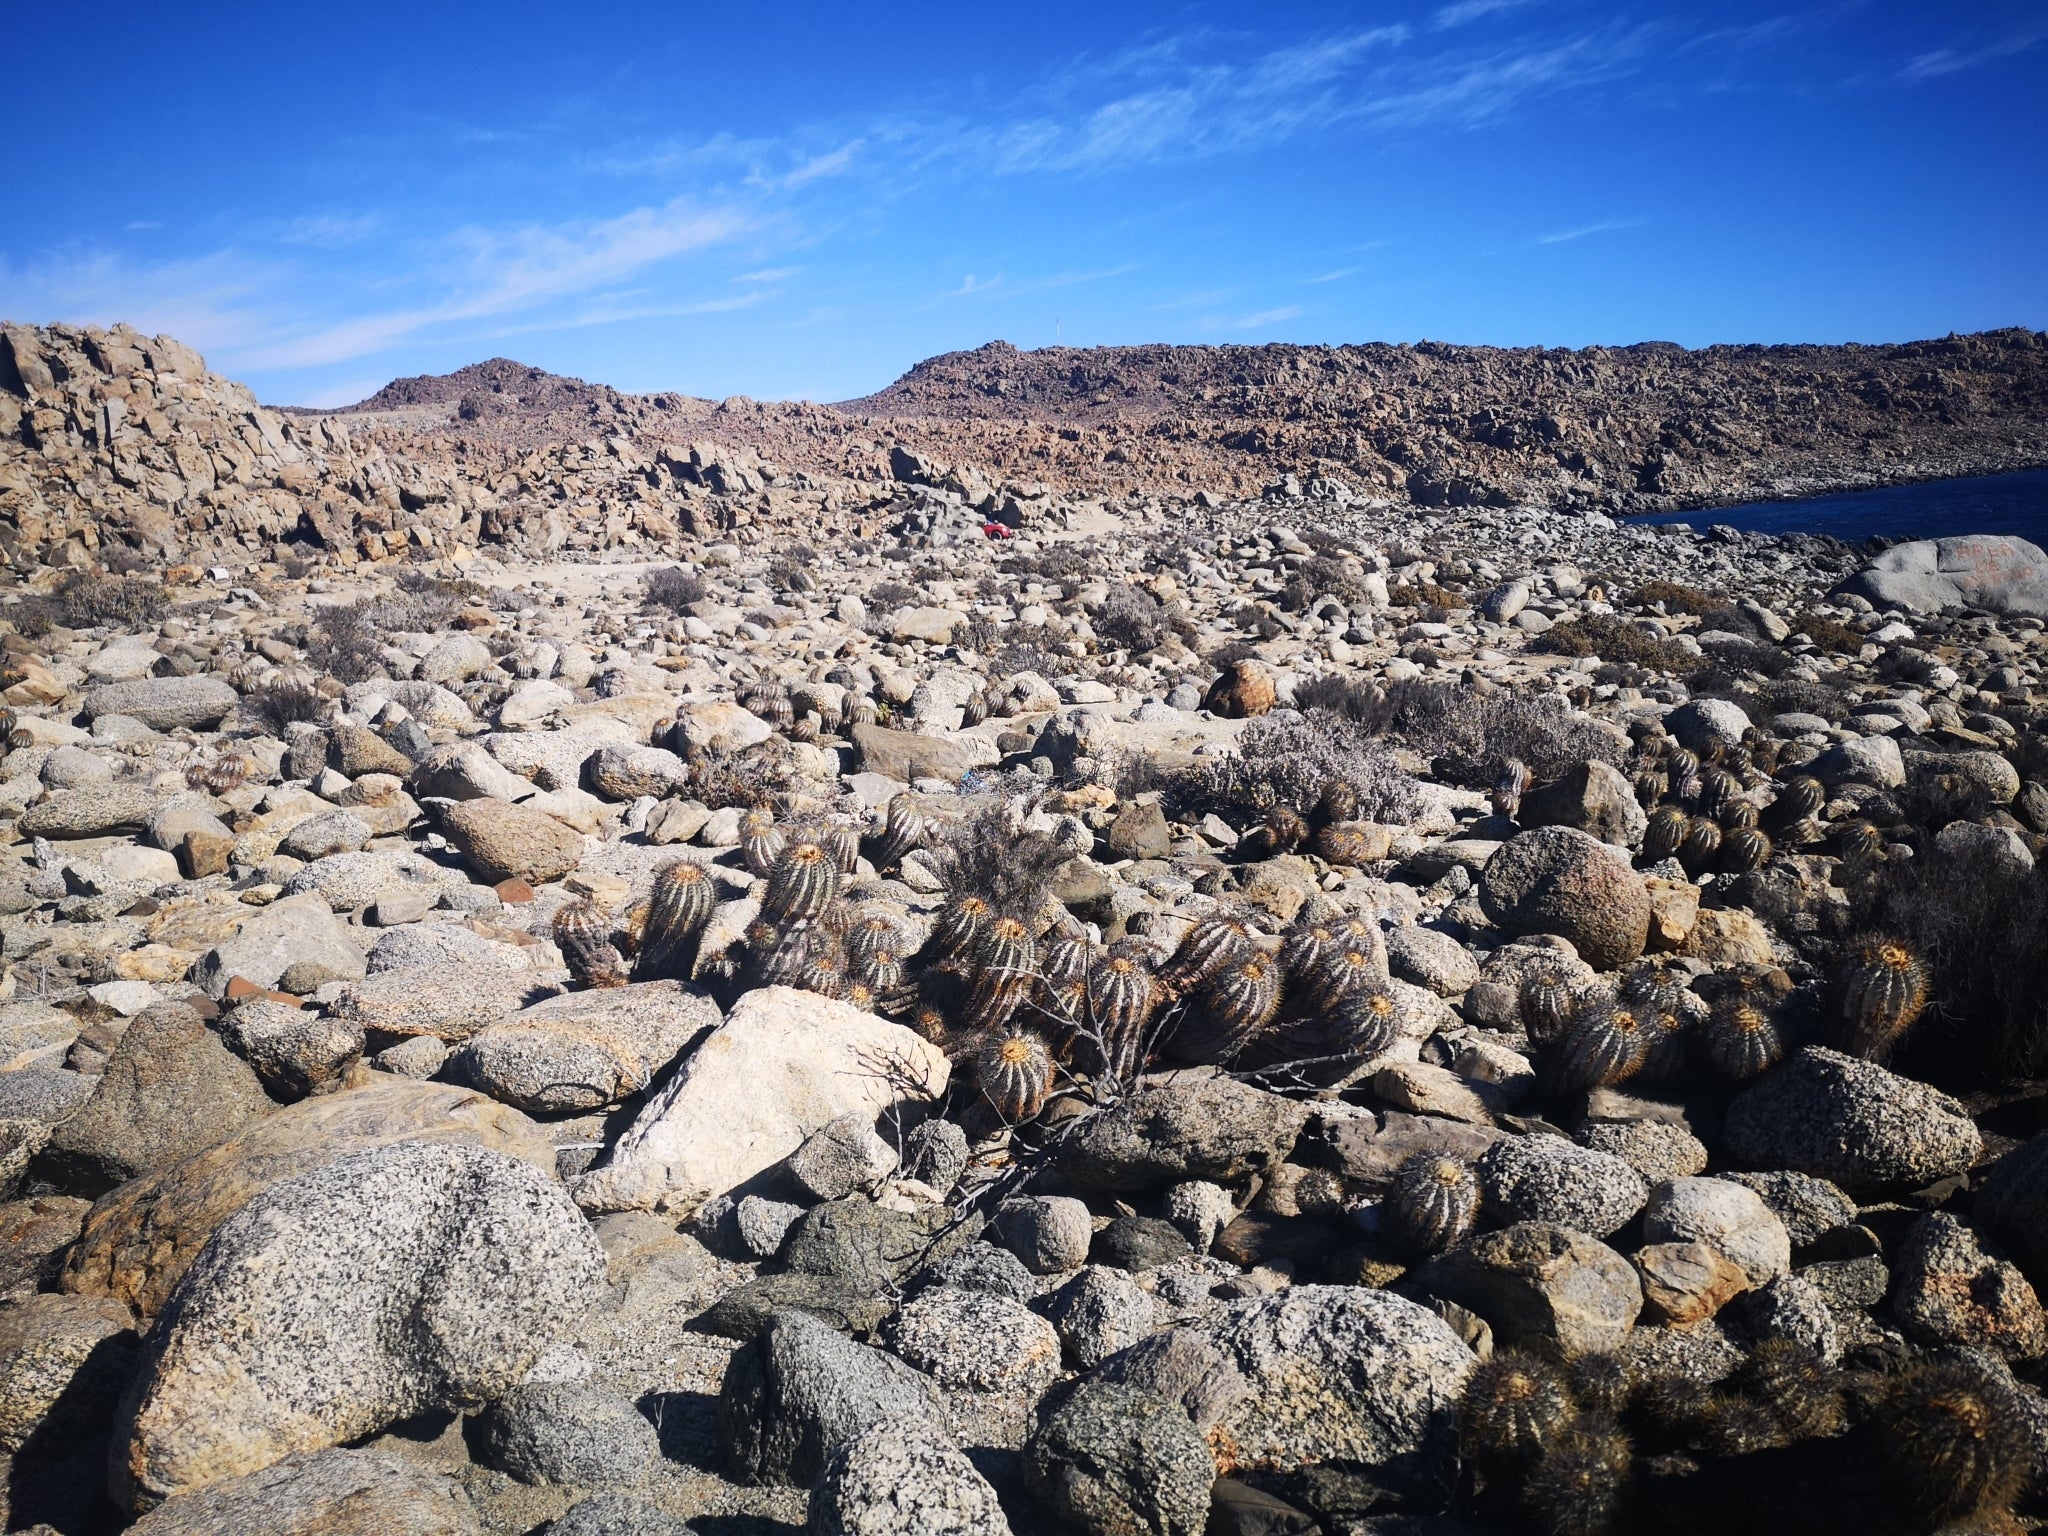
803,200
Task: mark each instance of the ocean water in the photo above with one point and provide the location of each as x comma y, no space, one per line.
1931,509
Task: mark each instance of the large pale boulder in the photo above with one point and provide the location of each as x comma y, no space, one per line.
388,1283
140,1239
295,930
1996,572
784,1064
326,1493
585,1049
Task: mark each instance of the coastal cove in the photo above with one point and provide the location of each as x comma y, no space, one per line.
1929,509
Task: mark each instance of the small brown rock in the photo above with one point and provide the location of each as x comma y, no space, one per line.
1246,688
1686,1283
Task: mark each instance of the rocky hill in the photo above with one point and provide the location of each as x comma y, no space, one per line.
113,441
1647,427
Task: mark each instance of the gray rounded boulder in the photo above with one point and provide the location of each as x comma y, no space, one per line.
568,1432
1546,1178
324,1493
896,1479
1341,1373
1111,1458
1851,1122
391,1282
1562,881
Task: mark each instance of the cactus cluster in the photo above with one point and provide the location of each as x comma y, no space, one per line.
583,932
1884,990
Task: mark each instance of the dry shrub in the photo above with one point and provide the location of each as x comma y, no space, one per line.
1616,639
1287,759
674,589
1470,736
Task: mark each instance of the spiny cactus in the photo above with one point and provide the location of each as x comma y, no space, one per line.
222,775
843,843
1211,945
1547,1004
777,953
1954,1440
1739,815
1702,846
802,882
1228,1010
1602,1383
1605,1045
1283,831
1304,947
1014,1073
808,726
1005,971
1508,789
1357,958
1797,1384
1338,802
1651,786
1736,1424
905,828
975,710
677,910
855,709
1858,842
1884,990
1579,1483
1683,769
1353,844
963,922
875,950
1741,1036
1431,1203
824,968
583,933
1514,1405
1122,996
1743,849
1719,790
760,841
770,702
1799,800
1665,834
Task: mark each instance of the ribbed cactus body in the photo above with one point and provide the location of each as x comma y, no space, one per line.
1210,946
1665,833
802,882
583,933
1514,1405
1013,1071
1884,987
1431,1203
1606,1045
761,842
1228,1010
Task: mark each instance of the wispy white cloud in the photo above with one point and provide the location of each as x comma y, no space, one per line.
329,231
505,272
1253,322
768,275
1963,55
1604,226
144,224
1337,276
1466,11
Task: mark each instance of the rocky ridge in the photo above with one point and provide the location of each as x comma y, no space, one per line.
1261,1014
108,437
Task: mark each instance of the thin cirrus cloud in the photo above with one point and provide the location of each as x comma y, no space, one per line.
1604,226
509,272
715,225
1959,56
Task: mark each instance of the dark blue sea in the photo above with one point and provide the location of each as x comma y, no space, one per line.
1931,509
